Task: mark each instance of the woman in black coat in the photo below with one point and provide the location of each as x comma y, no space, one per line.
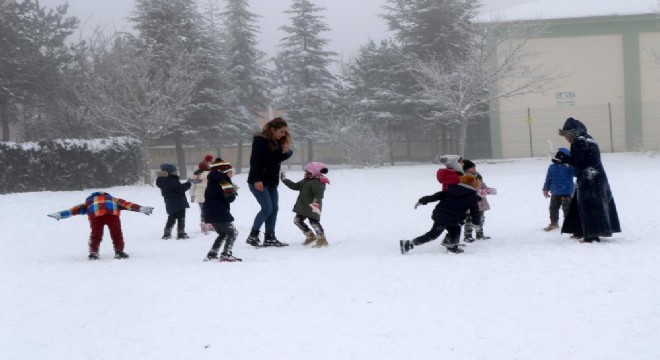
592,212
270,148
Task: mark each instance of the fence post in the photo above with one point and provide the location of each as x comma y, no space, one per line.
529,125
609,110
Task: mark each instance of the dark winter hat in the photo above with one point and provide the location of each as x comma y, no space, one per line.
221,165
564,151
467,164
574,127
168,168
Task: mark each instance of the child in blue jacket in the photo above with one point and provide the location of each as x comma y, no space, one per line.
558,187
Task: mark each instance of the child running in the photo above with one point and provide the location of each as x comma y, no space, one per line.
220,193
309,202
448,214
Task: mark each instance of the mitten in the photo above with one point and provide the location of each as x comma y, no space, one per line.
315,208
147,210
56,215
417,204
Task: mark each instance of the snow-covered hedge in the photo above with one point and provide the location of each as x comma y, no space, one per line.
57,165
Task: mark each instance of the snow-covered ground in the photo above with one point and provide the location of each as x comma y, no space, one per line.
524,294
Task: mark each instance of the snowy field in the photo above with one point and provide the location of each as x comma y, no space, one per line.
524,294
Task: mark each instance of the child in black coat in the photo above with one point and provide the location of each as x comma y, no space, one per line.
219,194
449,214
174,194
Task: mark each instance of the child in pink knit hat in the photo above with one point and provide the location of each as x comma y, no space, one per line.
309,202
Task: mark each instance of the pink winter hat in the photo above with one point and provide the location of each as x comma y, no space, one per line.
316,169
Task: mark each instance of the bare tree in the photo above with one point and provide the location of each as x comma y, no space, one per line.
498,66
130,97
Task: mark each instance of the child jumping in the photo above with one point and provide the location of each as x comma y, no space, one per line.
309,202
103,209
174,194
448,214
220,193
558,186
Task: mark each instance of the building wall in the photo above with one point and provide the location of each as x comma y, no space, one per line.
650,89
606,78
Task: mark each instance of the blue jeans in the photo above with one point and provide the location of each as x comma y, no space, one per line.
268,200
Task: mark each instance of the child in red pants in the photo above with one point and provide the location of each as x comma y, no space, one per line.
103,209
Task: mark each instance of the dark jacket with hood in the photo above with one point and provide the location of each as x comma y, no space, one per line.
173,191
265,163
454,204
220,193
592,211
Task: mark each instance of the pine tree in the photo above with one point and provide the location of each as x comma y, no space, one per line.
307,89
246,66
32,50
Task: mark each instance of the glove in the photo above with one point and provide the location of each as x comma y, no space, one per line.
417,204
283,176
192,198
56,215
316,208
147,210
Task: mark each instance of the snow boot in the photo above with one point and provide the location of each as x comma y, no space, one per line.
167,234
590,239
271,240
181,235
253,238
481,236
551,226
310,237
121,255
321,241
468,238
406,245
93,256
212,255
454,249
228,257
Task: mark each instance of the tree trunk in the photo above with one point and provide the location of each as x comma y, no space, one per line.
239,155
180,155
146,163
310,150
4,118
462,126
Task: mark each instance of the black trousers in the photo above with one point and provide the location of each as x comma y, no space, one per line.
454,232
180,218
227,234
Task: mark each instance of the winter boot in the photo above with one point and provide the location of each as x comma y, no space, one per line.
454,249
167,234
205,229
271,240
228,257
552,226
121,255
310,237
321,241
181,235
467,237
253,238
406,245
93,256
212,255
590,239
481,236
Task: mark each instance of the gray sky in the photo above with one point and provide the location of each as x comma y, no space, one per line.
351,25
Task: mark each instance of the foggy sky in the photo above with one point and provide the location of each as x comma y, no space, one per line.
351,25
